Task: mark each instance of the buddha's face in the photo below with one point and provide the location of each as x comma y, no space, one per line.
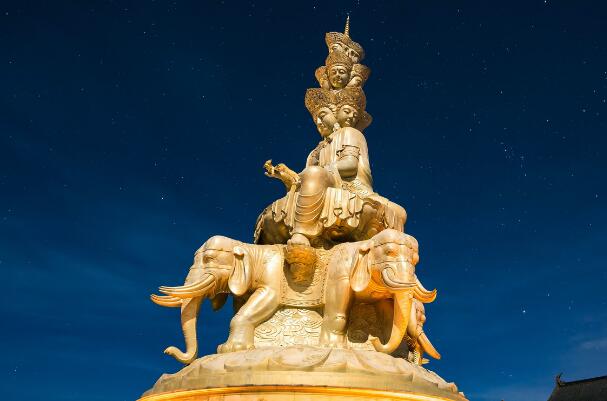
325,120
347,116
339,75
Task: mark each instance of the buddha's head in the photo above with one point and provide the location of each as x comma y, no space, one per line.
347,116
322,77
351,104
341,42
325,121
319,102
359,75
339,68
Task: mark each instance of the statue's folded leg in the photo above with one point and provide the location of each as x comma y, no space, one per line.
309,204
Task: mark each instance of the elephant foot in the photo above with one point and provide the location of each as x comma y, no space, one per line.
333,340
240,339
233,346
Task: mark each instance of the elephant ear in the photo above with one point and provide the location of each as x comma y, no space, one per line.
361,271
240,278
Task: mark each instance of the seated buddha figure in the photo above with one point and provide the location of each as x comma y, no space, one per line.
332,199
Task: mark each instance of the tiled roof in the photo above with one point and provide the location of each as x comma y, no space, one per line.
594,389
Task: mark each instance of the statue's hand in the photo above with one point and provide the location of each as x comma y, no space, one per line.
270,169
288,177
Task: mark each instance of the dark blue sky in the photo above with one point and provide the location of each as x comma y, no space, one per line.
132,131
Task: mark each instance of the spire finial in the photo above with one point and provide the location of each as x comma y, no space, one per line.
347,28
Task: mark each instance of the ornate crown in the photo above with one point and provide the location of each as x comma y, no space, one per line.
344,39
361,71
338,58
317,98
352,96
322,77
364,121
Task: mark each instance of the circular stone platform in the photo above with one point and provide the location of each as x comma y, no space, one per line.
314,373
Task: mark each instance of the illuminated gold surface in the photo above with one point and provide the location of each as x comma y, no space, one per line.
297,366
328,305
289,393
379,272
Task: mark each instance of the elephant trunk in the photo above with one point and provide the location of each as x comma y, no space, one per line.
189,316
191,296
402,309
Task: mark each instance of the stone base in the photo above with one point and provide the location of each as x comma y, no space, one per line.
302,373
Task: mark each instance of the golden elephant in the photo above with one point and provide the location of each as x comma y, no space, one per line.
379,269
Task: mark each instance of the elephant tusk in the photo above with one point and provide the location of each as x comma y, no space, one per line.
393,283
423,294
168,301
186,293
200,288
427,346
186,286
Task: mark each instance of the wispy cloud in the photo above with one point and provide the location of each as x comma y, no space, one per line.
596,344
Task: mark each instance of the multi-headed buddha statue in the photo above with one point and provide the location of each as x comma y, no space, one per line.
342,66
327,302
332,200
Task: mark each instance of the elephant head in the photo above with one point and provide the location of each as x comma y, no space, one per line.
220,266
385,264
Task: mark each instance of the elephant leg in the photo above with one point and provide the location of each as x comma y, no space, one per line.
259,307
333,329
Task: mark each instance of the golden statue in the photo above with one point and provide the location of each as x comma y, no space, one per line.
327,302
335,201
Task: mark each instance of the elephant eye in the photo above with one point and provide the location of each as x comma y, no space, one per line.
209,256
391,250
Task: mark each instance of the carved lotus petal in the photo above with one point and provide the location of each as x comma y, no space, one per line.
248,360
299,358
377,362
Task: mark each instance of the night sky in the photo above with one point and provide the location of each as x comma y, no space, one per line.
130,132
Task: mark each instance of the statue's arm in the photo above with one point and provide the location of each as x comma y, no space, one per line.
311,160
347,165
347,157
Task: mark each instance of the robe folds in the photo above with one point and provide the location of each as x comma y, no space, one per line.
350,205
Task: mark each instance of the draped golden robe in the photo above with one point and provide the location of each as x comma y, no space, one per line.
342,208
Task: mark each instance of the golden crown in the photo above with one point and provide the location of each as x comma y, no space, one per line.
316,98
364,121
338,58
362,71
344,39
352,96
